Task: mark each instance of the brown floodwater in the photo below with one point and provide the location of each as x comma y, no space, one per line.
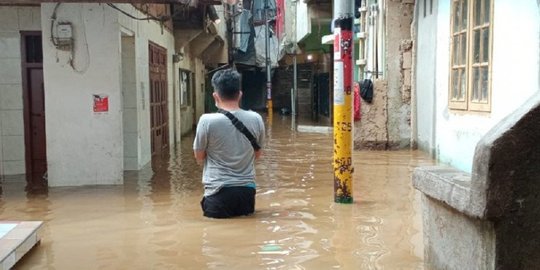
154,221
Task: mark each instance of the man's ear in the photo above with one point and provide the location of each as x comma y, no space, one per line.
240,95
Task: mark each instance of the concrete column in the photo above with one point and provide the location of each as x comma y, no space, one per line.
130,98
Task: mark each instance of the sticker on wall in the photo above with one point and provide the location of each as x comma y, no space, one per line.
101,103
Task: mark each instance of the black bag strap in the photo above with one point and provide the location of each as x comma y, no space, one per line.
242,128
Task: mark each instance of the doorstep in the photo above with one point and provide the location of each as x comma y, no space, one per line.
16,239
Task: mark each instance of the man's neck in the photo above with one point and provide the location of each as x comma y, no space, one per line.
229,105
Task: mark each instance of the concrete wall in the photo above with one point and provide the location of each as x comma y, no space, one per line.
143,33
472,240
515,76
83,147
303,20
129,94
371,132
398,64
386,122
12,21
426,55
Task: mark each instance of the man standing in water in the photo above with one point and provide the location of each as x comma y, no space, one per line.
226,153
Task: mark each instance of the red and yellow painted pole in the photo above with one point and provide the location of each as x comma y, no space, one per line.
343,101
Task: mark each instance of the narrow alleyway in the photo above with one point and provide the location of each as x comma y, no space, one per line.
155,222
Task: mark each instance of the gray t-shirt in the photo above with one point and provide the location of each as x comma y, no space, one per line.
229,155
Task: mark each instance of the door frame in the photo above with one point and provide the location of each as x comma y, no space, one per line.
165,117
25,67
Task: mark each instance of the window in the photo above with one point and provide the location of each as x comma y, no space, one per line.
470,63
185,88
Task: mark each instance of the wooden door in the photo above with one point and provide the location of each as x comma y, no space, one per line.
34,110
159,113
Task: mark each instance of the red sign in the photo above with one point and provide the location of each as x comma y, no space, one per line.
101,103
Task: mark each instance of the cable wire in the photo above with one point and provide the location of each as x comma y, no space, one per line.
162,18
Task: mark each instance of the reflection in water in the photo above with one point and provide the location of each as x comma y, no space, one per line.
154,220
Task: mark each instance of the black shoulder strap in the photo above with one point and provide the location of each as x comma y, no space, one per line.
240,126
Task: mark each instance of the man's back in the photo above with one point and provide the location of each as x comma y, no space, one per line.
229,154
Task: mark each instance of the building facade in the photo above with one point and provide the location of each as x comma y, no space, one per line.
90,90
476,62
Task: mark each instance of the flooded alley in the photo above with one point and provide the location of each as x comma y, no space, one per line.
154,221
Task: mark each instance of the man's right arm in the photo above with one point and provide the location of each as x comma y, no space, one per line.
200,141
200,155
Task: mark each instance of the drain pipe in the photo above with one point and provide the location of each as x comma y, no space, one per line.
343,125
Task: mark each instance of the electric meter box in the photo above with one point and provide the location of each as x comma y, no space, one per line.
64,34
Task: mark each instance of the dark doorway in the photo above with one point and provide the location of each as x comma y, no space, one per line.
159,113
321,95
34,110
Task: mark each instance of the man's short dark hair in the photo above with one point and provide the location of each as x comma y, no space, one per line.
226,83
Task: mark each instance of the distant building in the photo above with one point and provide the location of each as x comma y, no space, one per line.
383,54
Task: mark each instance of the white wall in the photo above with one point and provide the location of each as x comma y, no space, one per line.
303,21
426,48
83,148
130,98
12,21
515,78
144,32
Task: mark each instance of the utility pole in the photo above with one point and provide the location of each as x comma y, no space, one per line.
268,67
343,125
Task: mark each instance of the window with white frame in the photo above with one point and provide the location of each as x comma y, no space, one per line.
470,63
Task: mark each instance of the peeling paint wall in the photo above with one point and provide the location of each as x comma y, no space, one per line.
372,131
386,123
398,69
